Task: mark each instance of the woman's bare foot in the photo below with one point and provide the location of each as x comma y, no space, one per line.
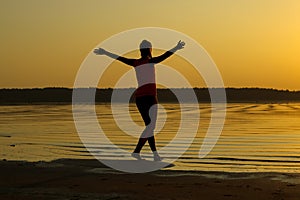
156,157
137,156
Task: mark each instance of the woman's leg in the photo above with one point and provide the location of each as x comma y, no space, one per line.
151,141
148,110
140,145
151,127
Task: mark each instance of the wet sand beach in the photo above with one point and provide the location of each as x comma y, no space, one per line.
89,179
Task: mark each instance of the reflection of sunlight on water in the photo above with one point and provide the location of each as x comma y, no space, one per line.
256,137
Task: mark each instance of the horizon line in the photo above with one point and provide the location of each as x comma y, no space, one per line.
159,88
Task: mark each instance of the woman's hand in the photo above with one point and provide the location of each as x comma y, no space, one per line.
99,51
180,45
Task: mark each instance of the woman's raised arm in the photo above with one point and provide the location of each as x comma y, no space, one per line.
158,59
127,61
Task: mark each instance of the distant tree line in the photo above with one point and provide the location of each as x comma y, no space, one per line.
64,95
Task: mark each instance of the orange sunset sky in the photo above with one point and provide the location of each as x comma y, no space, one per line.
254,43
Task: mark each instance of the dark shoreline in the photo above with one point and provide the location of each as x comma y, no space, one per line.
89,179
64,95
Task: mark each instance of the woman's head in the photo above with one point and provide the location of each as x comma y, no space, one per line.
146,48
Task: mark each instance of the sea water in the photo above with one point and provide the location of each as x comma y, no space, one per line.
255,137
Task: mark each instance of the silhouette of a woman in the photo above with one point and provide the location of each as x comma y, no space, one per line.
145,95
